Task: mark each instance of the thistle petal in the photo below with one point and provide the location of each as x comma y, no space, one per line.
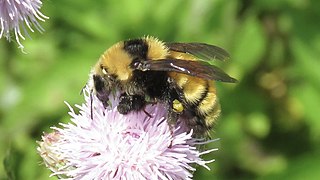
112,145
16,15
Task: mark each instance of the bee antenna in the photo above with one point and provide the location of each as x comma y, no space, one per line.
91,104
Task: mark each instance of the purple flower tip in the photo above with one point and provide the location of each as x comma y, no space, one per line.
15,15
104,144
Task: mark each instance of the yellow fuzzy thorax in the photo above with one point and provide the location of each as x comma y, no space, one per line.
157,49
117,61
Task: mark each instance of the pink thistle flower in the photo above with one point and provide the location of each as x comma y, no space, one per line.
15,15
104,144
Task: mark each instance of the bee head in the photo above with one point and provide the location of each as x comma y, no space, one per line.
101,83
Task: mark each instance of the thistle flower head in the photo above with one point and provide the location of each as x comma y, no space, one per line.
16,15
109,145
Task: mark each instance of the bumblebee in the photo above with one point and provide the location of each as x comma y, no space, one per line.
147,70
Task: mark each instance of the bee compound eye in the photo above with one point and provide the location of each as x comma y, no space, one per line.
104,71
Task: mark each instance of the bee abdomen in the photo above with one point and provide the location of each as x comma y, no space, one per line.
212,116
194,89
208,103
209,107
200,102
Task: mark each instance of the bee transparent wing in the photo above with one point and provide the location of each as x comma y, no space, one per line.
200,50
194,68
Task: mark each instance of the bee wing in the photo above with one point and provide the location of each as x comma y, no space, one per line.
201,50
194,68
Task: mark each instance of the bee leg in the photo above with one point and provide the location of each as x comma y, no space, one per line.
173,97
172,122
130,103
197,123
173,116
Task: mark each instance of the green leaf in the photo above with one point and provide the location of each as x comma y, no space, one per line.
249,44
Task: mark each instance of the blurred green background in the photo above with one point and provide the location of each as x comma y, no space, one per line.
270,124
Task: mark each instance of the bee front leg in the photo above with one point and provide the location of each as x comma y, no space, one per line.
130,103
